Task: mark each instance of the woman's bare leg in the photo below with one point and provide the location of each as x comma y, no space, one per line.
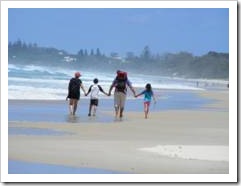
71,109
75,106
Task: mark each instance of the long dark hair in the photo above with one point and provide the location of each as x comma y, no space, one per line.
148,87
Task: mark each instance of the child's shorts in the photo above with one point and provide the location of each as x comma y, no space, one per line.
147,103
94,102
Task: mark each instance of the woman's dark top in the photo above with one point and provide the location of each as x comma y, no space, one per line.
74,88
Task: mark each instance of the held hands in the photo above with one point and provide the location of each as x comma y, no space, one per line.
134,93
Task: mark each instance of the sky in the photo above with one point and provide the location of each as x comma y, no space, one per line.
122,30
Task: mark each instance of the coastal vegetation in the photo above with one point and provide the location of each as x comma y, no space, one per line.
182,64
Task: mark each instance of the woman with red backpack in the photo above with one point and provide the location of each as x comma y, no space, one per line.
120,84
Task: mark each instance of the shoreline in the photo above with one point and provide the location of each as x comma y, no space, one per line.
57,110
130,95
116,145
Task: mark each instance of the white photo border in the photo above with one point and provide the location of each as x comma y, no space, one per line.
231,177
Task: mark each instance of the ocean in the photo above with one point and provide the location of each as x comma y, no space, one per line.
32,82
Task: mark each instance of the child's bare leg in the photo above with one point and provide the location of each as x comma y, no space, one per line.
145,109
90,106
94,109
146,114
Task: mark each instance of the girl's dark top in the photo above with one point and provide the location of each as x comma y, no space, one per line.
74,88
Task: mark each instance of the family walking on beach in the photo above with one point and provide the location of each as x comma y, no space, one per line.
120,83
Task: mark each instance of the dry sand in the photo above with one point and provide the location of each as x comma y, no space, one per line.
168,142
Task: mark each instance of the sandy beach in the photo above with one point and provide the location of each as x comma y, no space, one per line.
171,141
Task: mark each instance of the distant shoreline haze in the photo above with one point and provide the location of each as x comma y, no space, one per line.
213,65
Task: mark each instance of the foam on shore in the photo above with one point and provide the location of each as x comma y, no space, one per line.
200,152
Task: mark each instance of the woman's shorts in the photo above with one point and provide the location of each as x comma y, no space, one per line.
119,99
74,95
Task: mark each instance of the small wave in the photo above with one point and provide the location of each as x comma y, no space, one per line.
37,82
30,92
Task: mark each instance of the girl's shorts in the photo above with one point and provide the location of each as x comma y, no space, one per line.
147,103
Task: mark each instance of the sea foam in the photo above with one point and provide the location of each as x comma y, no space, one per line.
44,82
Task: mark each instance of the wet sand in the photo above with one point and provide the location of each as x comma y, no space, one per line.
168,142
